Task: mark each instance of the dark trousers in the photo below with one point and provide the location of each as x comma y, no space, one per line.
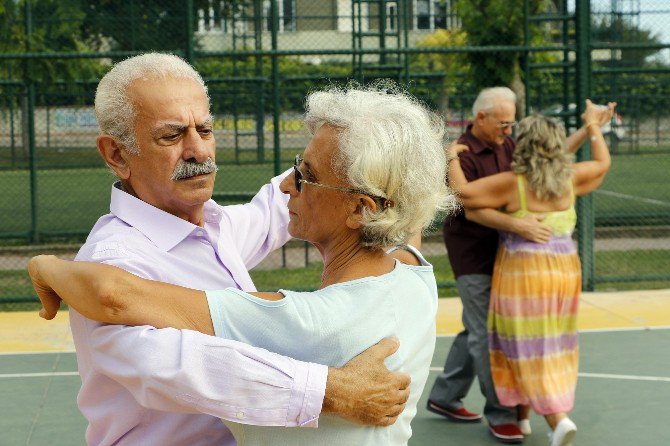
469,355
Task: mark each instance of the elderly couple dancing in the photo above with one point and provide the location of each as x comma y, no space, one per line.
171,335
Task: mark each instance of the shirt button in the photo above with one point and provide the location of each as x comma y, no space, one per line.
200,232
240,415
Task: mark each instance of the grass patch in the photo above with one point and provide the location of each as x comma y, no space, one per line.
69,201
310,277
648,262
15,284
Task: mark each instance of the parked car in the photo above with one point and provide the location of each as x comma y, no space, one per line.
614,131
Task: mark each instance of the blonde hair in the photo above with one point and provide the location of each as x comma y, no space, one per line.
389,146
541,156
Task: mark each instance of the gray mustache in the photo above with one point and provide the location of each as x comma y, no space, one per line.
188,169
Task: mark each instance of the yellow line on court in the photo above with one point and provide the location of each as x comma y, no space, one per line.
598,311
26,332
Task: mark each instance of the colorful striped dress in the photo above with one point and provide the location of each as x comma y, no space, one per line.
532,322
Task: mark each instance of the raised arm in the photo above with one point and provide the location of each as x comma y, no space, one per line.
109,294
601,116
590,174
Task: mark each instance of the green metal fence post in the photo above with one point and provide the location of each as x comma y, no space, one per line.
189,32
275,87
11,97
34,234
586,220
260,86
30,127
405,26
526,55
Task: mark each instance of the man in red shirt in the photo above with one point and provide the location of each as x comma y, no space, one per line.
471,238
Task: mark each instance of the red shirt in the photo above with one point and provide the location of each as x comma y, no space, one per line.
472,247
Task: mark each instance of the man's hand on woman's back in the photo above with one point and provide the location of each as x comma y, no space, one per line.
364,391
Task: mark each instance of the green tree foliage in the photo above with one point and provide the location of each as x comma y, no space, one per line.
616,29
239,85
638,94
152,25
53,26
439,77
495,23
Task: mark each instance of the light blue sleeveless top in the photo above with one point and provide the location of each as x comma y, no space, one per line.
330,326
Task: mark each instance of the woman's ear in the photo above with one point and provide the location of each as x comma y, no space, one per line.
115,155
355,217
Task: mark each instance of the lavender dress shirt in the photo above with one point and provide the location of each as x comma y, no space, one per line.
145,386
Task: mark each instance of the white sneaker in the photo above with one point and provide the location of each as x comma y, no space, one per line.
564,433
524,425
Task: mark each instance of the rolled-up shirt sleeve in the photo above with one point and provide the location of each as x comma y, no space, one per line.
186,371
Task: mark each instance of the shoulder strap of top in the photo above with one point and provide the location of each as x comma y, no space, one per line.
522,192
413,250
572,192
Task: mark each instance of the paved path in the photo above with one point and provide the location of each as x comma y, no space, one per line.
627,310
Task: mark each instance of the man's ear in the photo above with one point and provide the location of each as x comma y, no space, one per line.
480,115
115,155
355,217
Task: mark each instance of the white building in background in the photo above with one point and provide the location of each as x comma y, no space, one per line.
319,24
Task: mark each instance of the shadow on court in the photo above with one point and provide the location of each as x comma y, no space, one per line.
622,397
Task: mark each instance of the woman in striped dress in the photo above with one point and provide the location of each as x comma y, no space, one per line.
535,287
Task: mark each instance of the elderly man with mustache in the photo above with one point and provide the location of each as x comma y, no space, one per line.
142,385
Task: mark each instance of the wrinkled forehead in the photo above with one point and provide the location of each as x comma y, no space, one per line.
322,148
169,99
503,110
166,89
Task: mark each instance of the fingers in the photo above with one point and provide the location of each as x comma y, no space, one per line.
543,234
404,380
49,299
383,349
48,315
392,416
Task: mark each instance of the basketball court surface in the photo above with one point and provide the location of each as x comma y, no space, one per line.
622,394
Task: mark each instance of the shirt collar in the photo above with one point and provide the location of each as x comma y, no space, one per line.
163,229
476,145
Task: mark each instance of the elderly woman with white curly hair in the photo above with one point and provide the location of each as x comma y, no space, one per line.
372,176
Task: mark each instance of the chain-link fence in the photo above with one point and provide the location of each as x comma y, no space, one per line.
261,57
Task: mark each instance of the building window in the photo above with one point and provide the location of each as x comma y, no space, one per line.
434,14
221,17
286,15
392,16
356,19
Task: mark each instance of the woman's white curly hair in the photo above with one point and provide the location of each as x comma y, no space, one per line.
390,146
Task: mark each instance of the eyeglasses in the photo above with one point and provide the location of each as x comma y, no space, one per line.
506,124
299,181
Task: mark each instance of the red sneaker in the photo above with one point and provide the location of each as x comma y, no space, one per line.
461,415
507,433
